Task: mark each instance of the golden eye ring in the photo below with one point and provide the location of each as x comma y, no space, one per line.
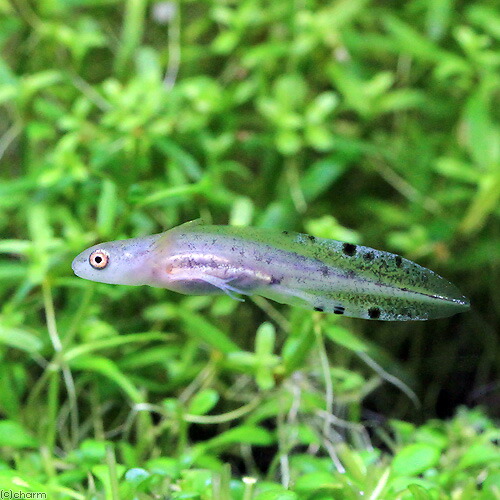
99,259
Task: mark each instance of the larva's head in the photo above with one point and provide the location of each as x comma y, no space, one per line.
124,262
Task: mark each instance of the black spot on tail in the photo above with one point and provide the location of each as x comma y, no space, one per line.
319,309
338,310
312,238
374,312
406,312
349,249
399,261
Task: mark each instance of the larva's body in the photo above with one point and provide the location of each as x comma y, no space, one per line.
290,268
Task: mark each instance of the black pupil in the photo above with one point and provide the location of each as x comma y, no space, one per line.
98,259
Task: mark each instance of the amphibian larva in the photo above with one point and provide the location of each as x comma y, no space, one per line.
291,268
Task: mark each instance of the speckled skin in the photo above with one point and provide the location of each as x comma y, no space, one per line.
290,268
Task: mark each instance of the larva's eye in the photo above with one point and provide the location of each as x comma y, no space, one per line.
99,259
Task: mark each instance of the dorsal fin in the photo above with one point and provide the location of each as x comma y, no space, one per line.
192,223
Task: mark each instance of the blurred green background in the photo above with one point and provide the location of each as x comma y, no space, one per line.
372,122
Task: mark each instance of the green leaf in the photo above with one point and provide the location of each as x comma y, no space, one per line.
321,107
479,455
457,170
108,476
492,482
264,341
21,247
483,204
90,452
290,90
345,338
419,492
166,466
14,435
288,142
244,434
107,343
319,137
107,208
328,227
38,81
315,481
242,361
187,161
137,475
13,272
20,339
241,211
7,76
41,234
486,17
298,345
200,329
434,437
482,135
15,481
110,370
351,87
276,495
353,463
415,459
410,41
264,347
405,431
7,93
186,191
320,176
203,402
8,24
195,480
402,483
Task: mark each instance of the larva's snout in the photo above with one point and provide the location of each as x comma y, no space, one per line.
123,262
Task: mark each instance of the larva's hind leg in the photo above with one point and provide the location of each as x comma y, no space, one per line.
223,284
203,283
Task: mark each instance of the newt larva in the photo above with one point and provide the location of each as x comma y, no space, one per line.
291,268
